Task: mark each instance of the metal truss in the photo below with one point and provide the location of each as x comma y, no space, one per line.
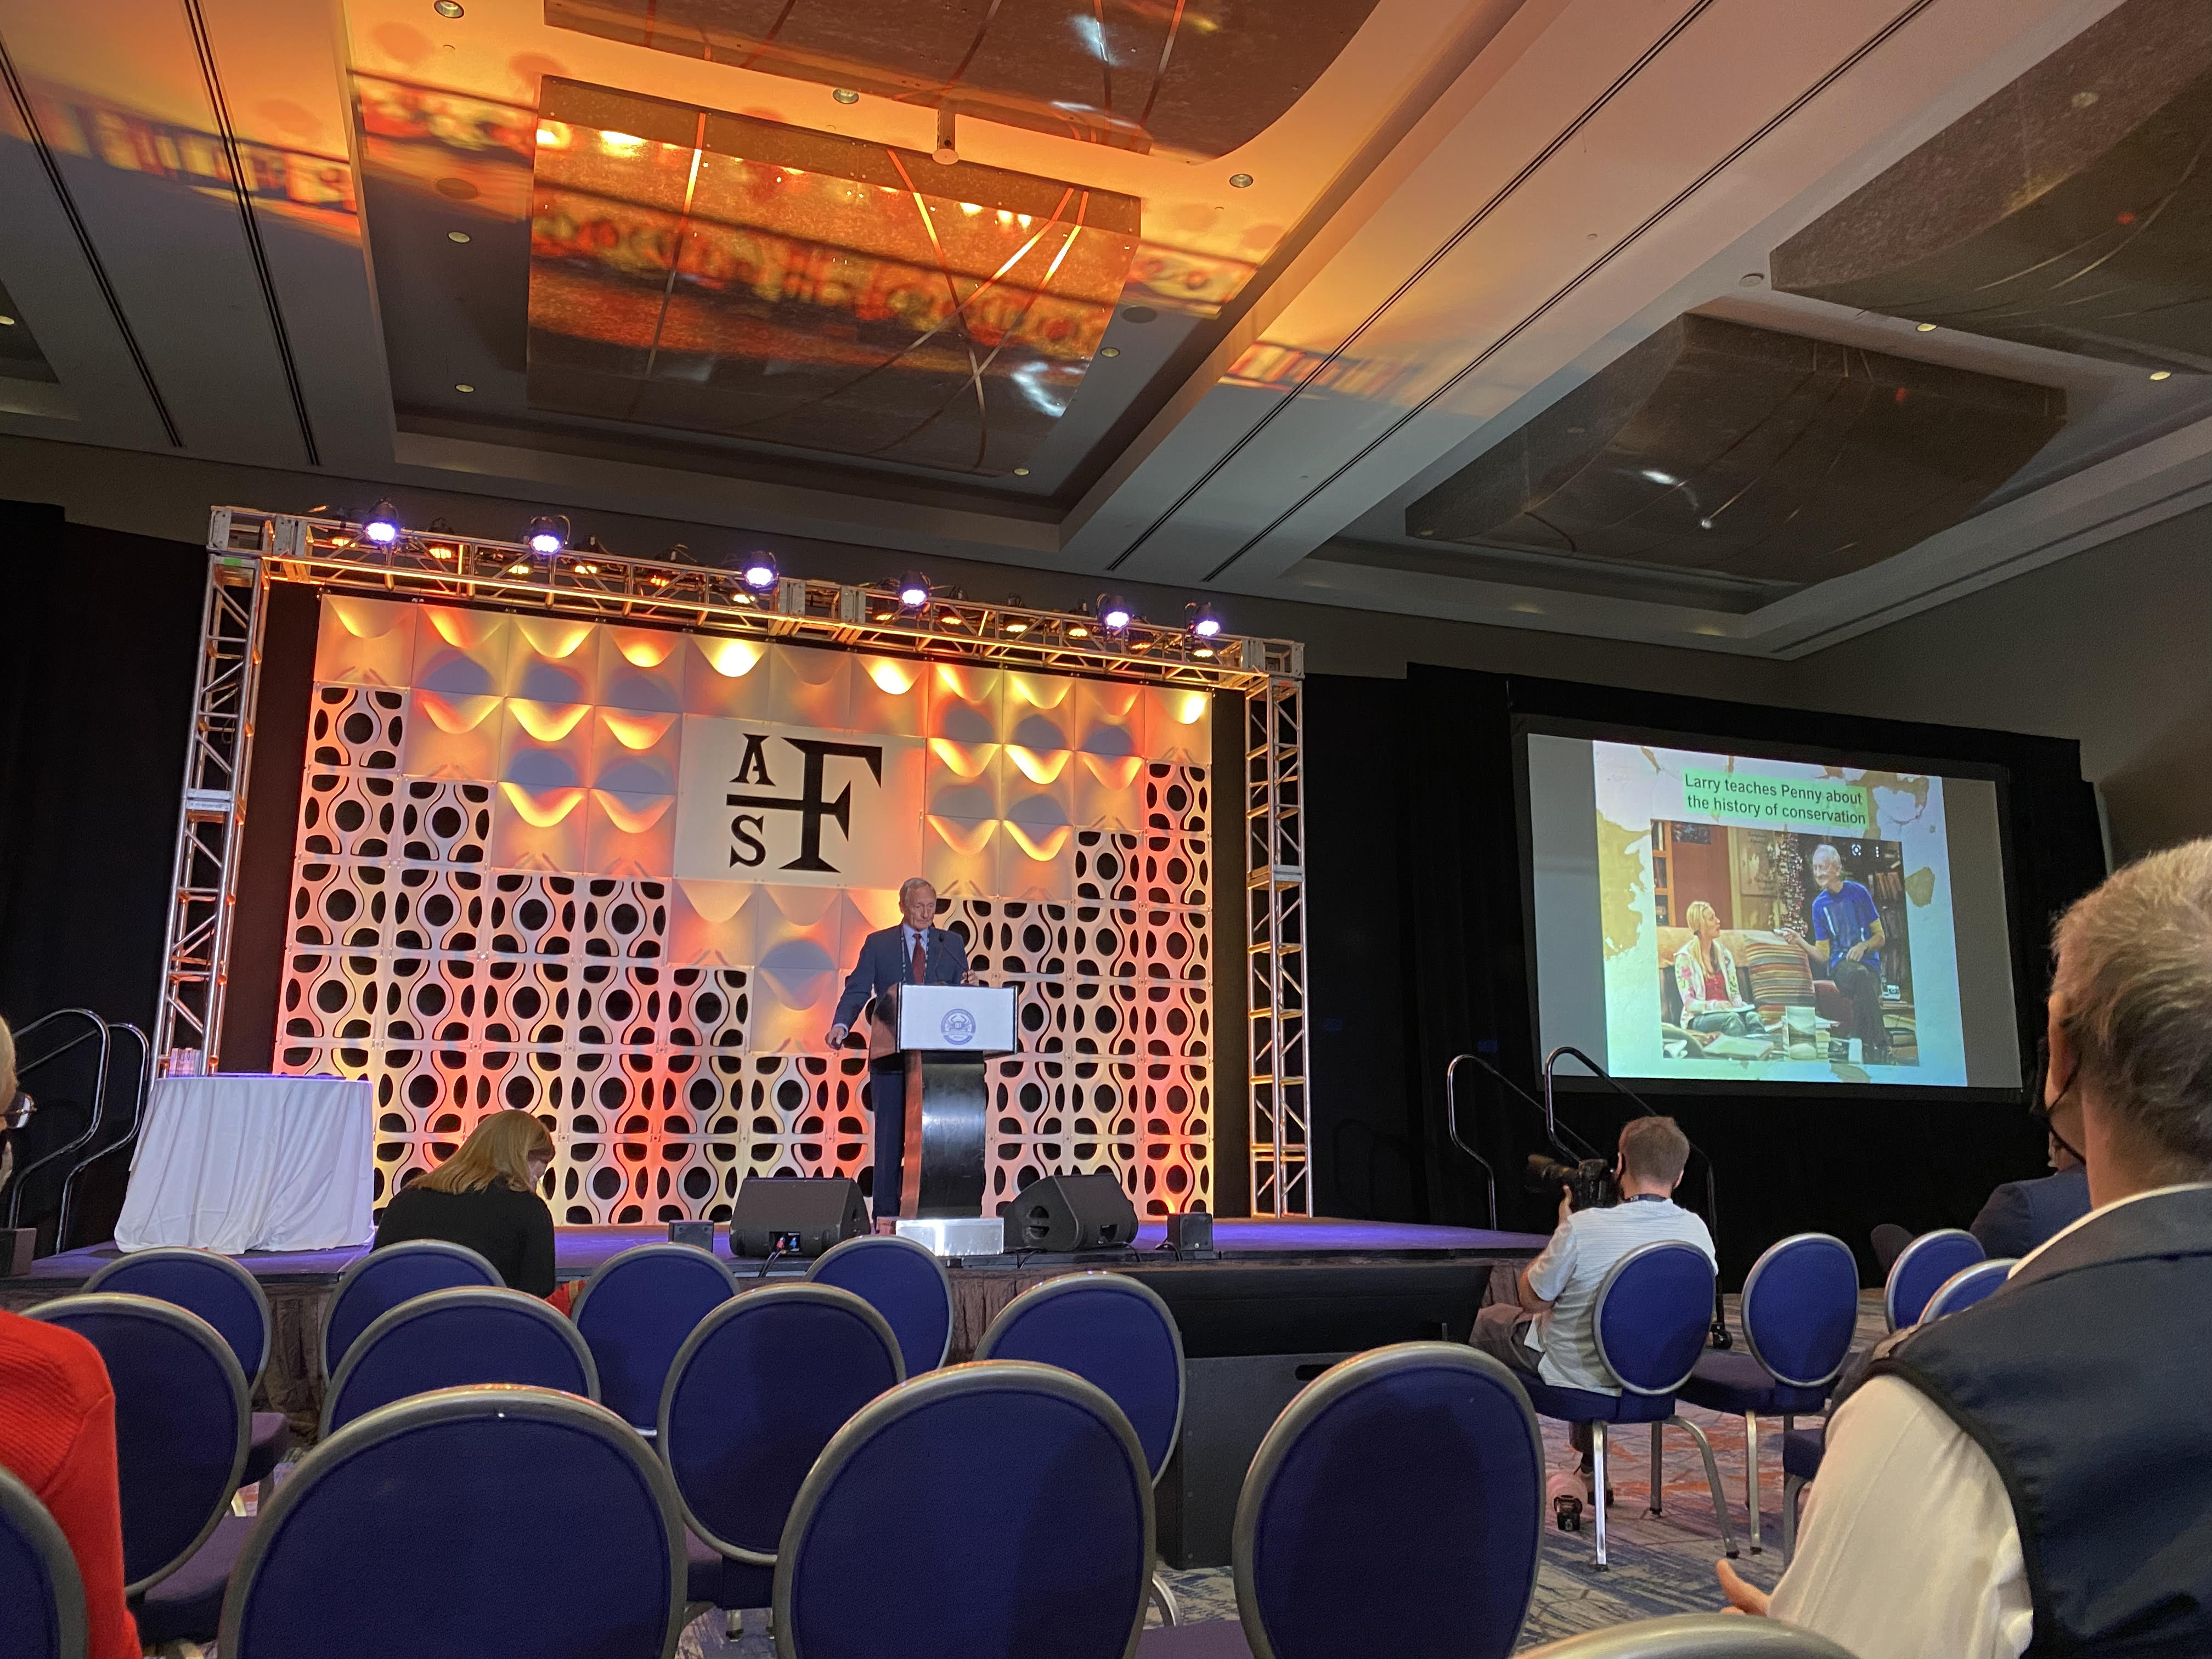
211,818
255,548
1274,864
591,582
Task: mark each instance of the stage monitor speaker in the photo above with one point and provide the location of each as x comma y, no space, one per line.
1065,1213
795,1215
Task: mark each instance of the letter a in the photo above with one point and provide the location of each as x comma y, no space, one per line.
753,769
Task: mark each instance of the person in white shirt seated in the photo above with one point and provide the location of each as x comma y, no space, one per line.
2030,1476
1549,1330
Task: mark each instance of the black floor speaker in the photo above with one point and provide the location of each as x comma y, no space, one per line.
798,1215
1061,1213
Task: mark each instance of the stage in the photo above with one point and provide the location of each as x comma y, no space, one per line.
1278,1302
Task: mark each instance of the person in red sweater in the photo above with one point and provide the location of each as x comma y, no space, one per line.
57,1437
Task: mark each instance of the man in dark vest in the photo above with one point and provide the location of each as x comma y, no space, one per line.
2033,1476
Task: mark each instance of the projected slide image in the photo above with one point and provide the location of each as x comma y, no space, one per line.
1767,920
1775,944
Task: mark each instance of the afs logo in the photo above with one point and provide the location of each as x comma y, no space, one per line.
748,849
958,1027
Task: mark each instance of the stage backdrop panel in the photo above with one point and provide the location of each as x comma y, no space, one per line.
615,875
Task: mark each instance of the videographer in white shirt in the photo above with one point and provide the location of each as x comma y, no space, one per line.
1548,1330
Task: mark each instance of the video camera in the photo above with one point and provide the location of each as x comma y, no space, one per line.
1589,1184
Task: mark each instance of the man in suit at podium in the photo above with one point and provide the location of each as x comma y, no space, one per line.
914,952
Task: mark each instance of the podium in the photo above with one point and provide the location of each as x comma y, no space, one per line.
946,1033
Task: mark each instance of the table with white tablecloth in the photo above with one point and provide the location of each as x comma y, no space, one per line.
235,1163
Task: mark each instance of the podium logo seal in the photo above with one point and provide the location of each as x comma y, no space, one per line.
958,1027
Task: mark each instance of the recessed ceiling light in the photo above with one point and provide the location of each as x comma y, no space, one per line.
1139,313
1021,472
1659,478
2161,375
456,236
1240,181
450,8
846,95
1109,351
1927,328
463,385
6,322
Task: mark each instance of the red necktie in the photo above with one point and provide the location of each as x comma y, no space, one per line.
921,962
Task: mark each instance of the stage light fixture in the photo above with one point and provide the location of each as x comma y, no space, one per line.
1114,613
759,571
382,525
1204,621
914,590
546,535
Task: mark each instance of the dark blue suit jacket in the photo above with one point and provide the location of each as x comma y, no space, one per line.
2023,1214
884,963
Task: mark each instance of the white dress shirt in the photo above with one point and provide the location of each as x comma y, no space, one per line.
1909,1548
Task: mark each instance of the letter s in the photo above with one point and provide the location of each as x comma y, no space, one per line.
744,828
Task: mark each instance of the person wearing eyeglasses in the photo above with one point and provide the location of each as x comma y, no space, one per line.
2027,1475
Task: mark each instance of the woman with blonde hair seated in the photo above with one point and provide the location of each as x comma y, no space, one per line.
485,1196
1704,973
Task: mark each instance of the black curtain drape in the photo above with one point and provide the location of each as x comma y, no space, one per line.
95,703
1415,861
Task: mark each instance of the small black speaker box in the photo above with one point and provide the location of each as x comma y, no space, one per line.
1065,1213
798,1215
1190,1236
698,1235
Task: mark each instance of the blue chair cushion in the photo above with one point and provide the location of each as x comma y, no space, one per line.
188,1605
1580,1406
271,1437
1735,1382
1801,1451
710,1575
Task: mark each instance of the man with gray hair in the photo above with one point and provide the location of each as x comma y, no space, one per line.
1846,948
916,952
2031,1474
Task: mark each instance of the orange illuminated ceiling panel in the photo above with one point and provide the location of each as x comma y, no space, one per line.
1199,76
727,275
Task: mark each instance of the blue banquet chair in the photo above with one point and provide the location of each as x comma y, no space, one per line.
1114,1331
229,1297
380,1281
181,1438
455,1338
461,1523
635,1314
1400,1499
1920,1270
756,1391
1694,1636
40,1585
902,1280
1968,1286
991,1510
1799,1308
1652,1312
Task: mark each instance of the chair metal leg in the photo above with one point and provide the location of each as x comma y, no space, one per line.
1658,1477
1162,1597
1792,1486
1597,1485
1712,1481
1751,1476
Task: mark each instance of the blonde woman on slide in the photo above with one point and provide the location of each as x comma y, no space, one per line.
1704,973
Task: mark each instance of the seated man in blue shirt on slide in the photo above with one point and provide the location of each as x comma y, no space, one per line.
1846,949
1549,1331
